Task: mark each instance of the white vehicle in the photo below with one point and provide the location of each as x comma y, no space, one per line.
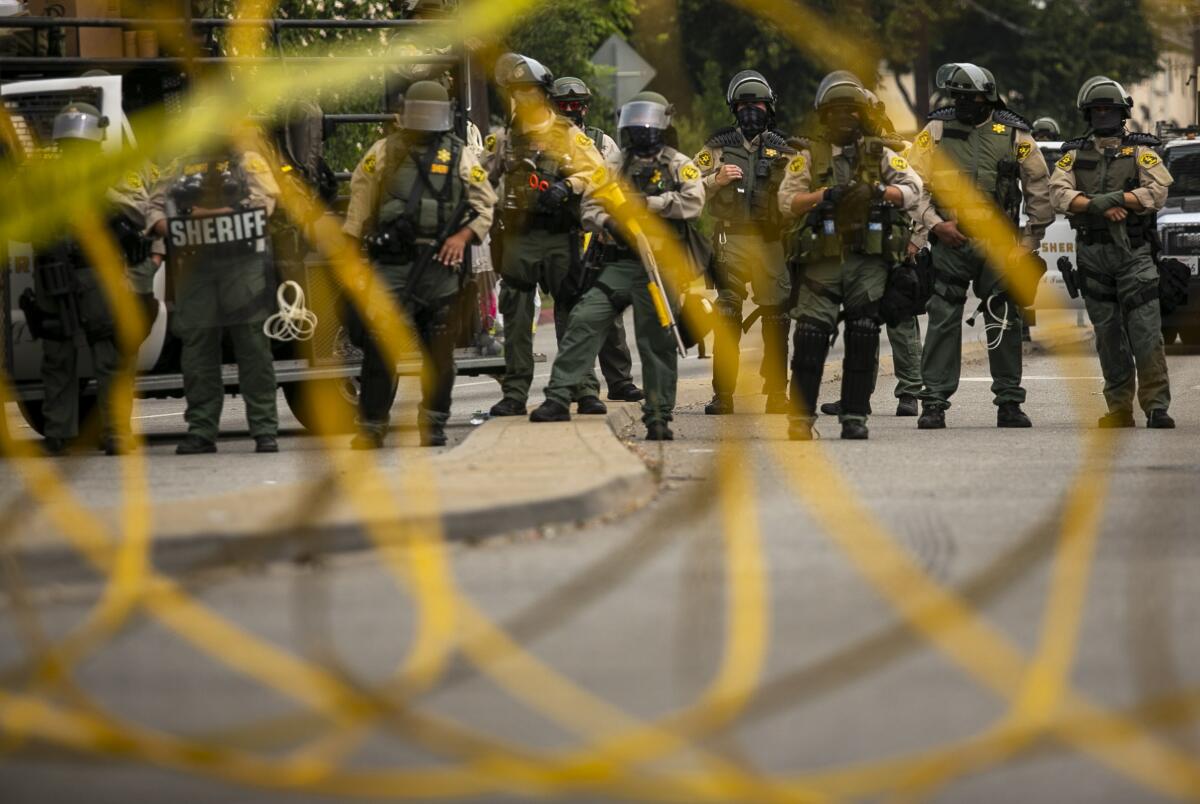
1179,230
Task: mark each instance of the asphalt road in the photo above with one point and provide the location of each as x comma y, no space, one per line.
634,610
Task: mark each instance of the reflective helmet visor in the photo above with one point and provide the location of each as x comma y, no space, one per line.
422,115
965,78
74,124
643,114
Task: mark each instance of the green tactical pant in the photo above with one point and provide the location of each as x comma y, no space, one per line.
1120,291
955,269
430,308
616,364
619,284
855,284
748,260
202,305
533,259
906,356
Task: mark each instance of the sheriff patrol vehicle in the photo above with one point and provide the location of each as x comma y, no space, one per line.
1179,227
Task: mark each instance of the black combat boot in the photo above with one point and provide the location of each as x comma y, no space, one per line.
778,403
855,431
55,446
721,405
1160,420
932,419
266,444
907,406
590,406
659,431
550,411
367,440
195,445
1116,419
1010,415
626,393
508,407
832,408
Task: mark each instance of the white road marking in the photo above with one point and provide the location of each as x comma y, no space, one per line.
159,415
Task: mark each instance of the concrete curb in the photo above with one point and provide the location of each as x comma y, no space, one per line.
499,480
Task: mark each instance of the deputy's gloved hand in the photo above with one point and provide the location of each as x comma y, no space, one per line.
614,231
555,196
1099,204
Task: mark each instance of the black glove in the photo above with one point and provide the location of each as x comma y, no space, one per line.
555,196
614,231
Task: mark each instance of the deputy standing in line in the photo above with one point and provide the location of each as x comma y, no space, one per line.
70,307
234,295
981,139
573,99
419,197
546,164
743,166
849,184
1112,183
669,186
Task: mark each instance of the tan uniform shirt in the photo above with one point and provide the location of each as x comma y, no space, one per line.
582,164
365,189
895,171
686,203
1153,177
263,189
1035,184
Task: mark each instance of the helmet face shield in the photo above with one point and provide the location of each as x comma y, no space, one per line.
423,115
78,124
644,114
965,79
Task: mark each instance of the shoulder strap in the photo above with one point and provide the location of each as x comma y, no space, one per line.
778,140
1141,138
1010,118
725,138
1079,143
944,113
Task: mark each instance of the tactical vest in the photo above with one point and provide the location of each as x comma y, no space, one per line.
986,153
754,199
883,230
420,191
597,135
651,178
1114,170
532,163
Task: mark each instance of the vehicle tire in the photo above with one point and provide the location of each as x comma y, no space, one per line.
1170,335
31,412
339,396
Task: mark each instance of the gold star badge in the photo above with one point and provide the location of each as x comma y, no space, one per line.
770,153
999,128
1127,150
656,177
443,155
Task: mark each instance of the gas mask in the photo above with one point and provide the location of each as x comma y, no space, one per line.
971,111
642,140
752,120
843,125
1107,121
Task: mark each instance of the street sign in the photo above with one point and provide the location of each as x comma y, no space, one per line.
622,71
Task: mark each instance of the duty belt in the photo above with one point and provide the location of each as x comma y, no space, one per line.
1103,237
752,228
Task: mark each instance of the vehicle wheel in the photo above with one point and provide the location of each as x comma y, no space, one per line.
1170,334
31,412
1190,335
324,406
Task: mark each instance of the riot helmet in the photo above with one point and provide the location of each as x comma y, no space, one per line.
1105,105
79,128
643,123
514,70
572,97
1045,129
426,108
843,105
752,102
966,83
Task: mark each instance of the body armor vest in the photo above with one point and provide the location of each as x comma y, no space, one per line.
986,154
754,198
1098,172
421,189
533,162
651,177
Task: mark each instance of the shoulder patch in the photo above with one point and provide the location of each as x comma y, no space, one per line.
256,164
797,164
1149,159
899,163
1024,149
155,173
370,164
705,158
583,140
478,175
489,143
599,176
1068,159
924,139
133,181
689,172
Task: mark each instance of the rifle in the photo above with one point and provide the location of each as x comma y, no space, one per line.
453,224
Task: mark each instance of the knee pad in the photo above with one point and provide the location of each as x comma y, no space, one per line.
858,365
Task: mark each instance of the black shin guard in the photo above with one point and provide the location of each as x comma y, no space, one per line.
859,365
726,344
775,325
811,347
